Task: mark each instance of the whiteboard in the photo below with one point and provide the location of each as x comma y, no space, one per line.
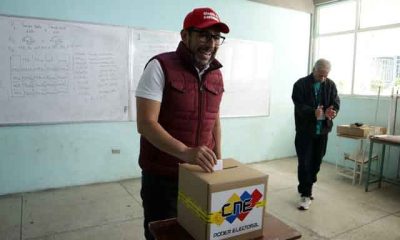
246,69
246,73
146,44
55,71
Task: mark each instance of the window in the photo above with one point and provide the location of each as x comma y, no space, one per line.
330,22
379,12
339,50
360,38
377,65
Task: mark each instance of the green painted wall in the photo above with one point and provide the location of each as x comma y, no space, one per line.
50,156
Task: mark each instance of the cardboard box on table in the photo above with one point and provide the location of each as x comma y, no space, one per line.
362,131
224,204
377,130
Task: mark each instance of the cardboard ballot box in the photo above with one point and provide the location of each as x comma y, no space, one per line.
362,131
223,204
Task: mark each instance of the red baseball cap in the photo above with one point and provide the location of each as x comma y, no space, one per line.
204,18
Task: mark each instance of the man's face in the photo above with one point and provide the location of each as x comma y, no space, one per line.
320,74
203,43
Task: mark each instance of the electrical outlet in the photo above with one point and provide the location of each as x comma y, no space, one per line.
115,151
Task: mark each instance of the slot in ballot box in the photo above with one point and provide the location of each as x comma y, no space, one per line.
223,204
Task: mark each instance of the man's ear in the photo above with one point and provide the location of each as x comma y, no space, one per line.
184,35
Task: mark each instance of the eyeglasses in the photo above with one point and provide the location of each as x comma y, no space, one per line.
205,36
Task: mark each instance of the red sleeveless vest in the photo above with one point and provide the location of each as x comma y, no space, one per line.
188,111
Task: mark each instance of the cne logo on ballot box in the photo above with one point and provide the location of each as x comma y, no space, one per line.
235,212
239,207
222,205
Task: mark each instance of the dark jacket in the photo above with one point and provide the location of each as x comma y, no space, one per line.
305,104
188,112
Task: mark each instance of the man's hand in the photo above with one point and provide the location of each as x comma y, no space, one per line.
319,112
202,156
330,113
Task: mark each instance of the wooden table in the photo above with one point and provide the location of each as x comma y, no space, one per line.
391,140
274,229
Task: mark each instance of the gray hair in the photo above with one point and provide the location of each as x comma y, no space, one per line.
322,64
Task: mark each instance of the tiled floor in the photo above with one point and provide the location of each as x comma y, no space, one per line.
112,210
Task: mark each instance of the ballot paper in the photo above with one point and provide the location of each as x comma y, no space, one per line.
219,166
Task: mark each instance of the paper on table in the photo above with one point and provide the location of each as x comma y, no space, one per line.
219,166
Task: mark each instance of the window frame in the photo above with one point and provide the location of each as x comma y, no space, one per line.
357,29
